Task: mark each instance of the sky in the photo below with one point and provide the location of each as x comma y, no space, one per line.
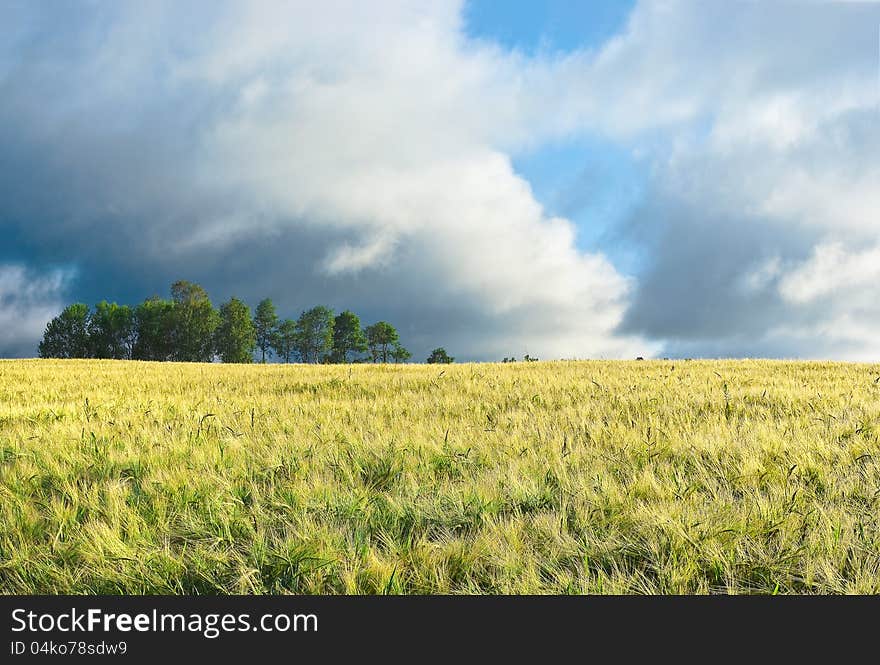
657,178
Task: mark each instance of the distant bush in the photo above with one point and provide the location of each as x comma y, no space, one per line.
440,356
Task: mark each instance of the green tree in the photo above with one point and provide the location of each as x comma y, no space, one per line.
439,355
348,337
235,338
381,337
112,331
195,321
67,335
400,354
154,330
284,340
314,334
265,323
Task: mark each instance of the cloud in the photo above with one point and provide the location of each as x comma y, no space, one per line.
832,271
159,142
27,301
288,150
842,284
764,188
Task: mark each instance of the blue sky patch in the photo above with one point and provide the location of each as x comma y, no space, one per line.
552,25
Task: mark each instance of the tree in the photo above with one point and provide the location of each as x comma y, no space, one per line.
284,340
380,337
314,334
67,335
153,330
400,354
265,322
195,321
440,356
235,338
111,331
348,337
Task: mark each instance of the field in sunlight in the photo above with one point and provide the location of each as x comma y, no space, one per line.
547,477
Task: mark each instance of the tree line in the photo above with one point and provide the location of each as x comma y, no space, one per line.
188,328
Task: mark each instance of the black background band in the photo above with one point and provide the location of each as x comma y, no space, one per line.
463,628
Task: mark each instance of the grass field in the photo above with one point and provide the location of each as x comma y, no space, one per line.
562,477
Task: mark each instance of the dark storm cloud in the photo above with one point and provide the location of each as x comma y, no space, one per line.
694,284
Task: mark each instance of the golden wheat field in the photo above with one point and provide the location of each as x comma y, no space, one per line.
547,477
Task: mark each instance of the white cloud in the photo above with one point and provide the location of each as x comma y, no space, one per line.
834,271
27,302
761,276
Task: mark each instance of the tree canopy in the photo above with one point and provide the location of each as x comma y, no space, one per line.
314,334
111,331
265,323
235,337
400,354
348,337
188,328
154,329
439,355
381,337
284,340
67,335
195,321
